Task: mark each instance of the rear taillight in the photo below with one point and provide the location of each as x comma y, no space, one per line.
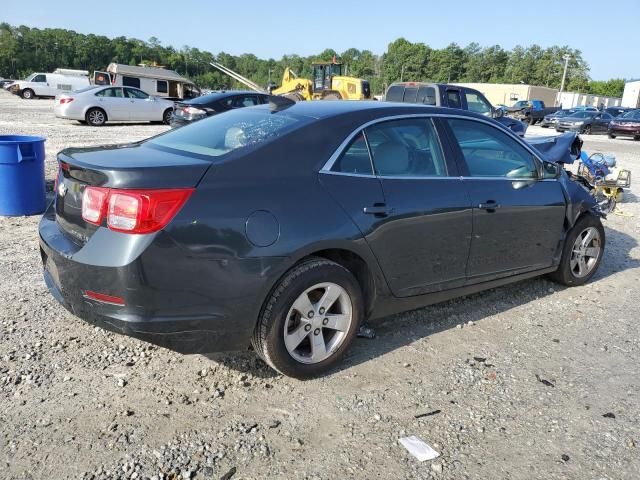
94,204
66,100
192,111
133,211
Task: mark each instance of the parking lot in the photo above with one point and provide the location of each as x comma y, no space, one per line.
528,381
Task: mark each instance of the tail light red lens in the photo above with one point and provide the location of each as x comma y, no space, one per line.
94,202
66,100
104,298
133,211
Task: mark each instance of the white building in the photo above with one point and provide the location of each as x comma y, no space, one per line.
631,95
573,99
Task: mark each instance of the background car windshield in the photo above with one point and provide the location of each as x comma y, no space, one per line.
633,115
221,134
583,114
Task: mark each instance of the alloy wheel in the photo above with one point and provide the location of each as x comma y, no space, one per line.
96,117
585,252
317,323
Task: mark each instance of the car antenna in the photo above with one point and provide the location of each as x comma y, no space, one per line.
277,103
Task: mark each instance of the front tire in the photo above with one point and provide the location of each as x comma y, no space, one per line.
310,319
582,252
96,117
611,135
28,94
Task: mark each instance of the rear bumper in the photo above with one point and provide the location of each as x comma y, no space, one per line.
172,298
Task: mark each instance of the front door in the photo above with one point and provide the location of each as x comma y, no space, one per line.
601,122
518,218
142,107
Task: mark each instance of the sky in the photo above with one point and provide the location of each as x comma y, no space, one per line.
609,42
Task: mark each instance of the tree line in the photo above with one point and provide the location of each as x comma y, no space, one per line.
24,50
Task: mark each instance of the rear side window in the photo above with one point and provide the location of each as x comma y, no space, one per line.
355,159
221,134
489,152
110,92
395,93
406,148
426,96
245,101
132,93
453,99
131,82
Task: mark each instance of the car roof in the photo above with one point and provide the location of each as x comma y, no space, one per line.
219,95
324,109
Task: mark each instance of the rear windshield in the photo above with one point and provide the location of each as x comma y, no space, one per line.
223,133
395,93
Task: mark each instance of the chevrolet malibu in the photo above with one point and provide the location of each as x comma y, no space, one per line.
99,105
282,227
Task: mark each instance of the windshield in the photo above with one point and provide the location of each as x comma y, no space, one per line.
223,133
633,115
581,115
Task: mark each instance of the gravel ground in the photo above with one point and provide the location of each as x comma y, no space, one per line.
529,381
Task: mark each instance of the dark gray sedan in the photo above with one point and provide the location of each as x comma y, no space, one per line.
586,122
283,227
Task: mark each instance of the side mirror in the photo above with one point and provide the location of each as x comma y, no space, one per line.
498,113
551,170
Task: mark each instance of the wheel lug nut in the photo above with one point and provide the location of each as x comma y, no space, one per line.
325,321
307,328
316,331
321,310
310,314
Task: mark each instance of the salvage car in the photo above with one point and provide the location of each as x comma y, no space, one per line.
585,121
551,119
627,125
452,96
214,103
98,105
284,226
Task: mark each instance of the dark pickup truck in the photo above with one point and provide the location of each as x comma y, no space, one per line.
452,96
530,111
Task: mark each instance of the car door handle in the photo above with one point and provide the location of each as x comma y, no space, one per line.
378,210
490,205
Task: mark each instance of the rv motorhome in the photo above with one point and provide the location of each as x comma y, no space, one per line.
152,80
62,80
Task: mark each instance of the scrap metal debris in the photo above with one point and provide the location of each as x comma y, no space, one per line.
609,415
229,474
428,414
418,448
544,382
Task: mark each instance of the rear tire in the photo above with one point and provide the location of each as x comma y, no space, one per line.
581,256
28,94
611,135
587,130
303,344
332,96
166,116
636,138
96,117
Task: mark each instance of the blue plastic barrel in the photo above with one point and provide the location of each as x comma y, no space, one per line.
22,188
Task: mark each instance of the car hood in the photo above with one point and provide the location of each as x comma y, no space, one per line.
565,148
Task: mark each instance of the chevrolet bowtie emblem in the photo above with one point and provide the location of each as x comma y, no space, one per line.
62,189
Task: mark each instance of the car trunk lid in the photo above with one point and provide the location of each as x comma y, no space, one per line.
137,166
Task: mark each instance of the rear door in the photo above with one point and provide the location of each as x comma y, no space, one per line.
518,218
423,238
112,101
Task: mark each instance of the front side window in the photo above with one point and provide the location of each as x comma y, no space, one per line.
477,104
406,148
355,159
133,93
131,82
489,152
40,78
162,86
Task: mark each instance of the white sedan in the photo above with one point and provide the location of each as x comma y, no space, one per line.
97,105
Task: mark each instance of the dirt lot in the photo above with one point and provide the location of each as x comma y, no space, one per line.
530,381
